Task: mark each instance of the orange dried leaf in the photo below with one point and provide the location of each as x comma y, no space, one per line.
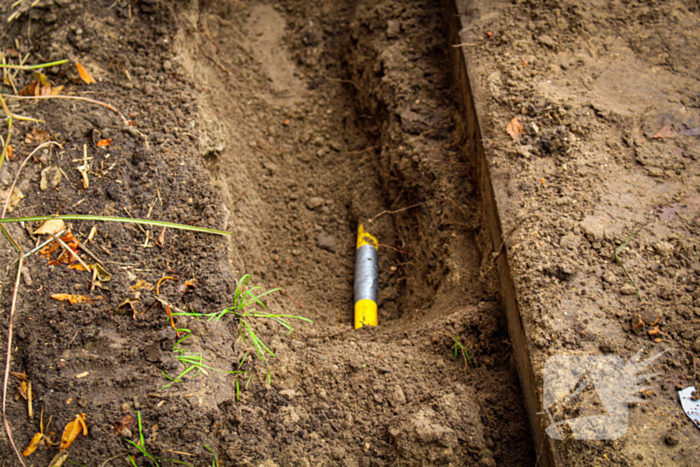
57,90
515,128
33,444
84,75
9,152
665,132
103,143
161,238
22,390
72,430
78,267
127,421
142,284
71,298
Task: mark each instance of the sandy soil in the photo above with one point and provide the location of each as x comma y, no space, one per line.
607,95
289,123
286,124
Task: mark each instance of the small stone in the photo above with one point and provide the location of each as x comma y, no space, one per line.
167,65
663,249
609,277
672,438
26,277
271,167
393,28
606,347
327,242
137,404
546,40
50,178
569,241
314,203
650,317
396,397
627,289
288,393
593,228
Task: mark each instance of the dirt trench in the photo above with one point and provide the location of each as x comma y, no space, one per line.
317,117
309,117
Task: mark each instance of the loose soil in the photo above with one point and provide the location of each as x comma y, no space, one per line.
287,124
608,97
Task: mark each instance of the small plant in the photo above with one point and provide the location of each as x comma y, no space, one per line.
141,445
458,347
191,362
243,299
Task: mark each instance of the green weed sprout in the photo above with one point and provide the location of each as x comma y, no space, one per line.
243,299
457,346
192,362
141,446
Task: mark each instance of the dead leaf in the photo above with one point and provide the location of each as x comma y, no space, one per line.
142,284
72,430
50,178
59,459
101,273
11,52
23,390
71,298
163,279
41,78
15,197
19,376
84,75
665,132
57,90
51,227
103,143
161,238
33,444
9,152
37,137
515,128
78,267
183,288
127,421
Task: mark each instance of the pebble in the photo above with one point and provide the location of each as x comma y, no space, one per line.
26,277
327,242
672,438
546,40
393,28
313,203
288,393
627,289
650,316
609,277
569,241
663,249
167,65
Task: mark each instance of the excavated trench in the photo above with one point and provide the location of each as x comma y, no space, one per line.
318,117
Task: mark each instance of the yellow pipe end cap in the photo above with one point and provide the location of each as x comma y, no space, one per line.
365,313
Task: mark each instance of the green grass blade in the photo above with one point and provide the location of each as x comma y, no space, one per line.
34,67
127,220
